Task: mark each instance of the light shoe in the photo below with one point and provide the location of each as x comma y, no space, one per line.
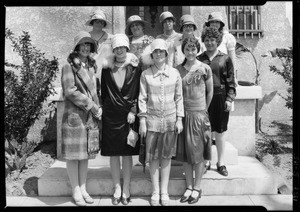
164,199
88,199
154,199
79,202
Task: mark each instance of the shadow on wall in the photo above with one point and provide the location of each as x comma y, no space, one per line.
49,134
31,186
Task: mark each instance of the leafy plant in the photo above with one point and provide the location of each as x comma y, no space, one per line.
270,146
25,94
286,57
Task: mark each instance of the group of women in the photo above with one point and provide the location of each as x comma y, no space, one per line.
174,91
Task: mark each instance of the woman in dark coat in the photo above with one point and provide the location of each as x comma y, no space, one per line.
119,89
82,112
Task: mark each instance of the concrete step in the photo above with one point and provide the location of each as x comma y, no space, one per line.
247,178
270,202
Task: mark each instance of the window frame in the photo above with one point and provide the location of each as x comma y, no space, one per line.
250,22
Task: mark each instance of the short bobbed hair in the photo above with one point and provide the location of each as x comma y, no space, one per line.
212,32
192,40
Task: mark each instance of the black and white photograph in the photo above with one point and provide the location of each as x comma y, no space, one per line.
163,106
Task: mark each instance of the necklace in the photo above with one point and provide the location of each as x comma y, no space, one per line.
100,37
119,63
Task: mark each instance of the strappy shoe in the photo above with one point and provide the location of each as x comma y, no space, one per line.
193,200
165,199
88,199
125,201
116,200
154,199
185,198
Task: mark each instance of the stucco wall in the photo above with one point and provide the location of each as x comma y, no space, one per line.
277,34
52,30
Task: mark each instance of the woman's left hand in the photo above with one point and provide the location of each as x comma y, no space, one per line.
178,126
130,118
228,106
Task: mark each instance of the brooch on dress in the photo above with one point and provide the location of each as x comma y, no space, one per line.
196,77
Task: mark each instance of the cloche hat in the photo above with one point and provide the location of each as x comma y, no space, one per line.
215,16
166,15
187,19
84,37
159,44
119,40
100,15
132,19
156,44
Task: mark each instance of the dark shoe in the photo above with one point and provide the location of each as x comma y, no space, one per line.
213,142
125,201
207,167
222,170
185,198
193,200
116,200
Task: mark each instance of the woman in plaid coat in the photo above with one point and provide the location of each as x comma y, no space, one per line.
82,113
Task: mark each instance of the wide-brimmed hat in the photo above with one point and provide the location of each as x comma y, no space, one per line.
84,37
132,19
119,40
100,15
187,19
166,15
215,16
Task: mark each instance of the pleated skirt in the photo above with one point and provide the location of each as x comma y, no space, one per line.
160,145
194,143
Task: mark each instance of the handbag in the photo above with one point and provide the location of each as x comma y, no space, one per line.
142,152
132,137
93,135
93,141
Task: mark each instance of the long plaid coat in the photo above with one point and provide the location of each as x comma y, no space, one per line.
80,95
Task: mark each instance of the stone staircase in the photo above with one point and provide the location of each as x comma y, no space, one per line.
247,176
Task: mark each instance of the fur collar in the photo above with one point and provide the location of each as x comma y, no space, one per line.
146,56
108,62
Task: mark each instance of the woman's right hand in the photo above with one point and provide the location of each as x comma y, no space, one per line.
143,127
97,112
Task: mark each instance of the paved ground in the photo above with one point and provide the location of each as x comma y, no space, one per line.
270,202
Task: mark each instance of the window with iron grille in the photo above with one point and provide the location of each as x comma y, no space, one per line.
244,20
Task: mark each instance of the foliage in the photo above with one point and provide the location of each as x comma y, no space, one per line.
286,57
25,94
16,154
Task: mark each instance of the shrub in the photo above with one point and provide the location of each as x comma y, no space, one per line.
286,57
25,94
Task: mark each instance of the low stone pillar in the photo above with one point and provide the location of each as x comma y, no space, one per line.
241,125
60,104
